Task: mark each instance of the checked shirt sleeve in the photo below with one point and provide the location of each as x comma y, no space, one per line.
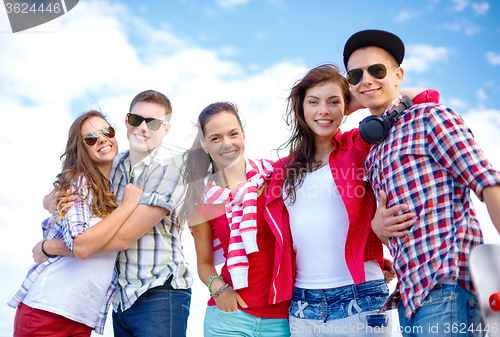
452,145
162,185
77,219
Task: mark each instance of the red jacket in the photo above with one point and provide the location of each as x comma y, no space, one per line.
347,163
284,264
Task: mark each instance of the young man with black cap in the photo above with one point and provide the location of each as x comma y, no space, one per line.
426,160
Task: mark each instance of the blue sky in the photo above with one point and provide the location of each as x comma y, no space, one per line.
464,35
102,53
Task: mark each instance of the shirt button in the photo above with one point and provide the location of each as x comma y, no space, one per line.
322,304
321,314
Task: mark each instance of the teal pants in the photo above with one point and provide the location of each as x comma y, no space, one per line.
239,323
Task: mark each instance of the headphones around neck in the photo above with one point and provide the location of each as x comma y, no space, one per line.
374,129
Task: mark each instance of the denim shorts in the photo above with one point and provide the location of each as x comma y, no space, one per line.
344,311
342,302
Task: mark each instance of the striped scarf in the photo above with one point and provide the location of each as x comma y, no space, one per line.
241,214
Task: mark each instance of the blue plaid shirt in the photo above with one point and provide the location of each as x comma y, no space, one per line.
431,162
157,255
75,222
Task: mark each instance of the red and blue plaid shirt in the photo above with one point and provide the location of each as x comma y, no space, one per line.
430,161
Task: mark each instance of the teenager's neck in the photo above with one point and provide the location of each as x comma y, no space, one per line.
324,147
380,110
137,157
231,176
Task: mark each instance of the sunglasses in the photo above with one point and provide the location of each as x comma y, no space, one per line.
152,123
378,71
91,138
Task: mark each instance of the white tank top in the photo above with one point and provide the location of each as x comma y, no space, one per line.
74,288
319,223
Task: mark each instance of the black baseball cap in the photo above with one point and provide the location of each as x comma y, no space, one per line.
378,38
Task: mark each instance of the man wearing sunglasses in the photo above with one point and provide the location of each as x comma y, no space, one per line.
153,294
427,162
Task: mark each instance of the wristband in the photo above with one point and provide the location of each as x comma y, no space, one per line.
43,250
220,291
210,282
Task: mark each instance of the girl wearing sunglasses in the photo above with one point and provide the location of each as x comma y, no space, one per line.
225,208
68,296
339,280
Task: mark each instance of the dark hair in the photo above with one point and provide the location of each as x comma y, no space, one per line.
152,96
301,140
77,163
197,164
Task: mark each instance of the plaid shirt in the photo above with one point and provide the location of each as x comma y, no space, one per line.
430,161
73,224
157,255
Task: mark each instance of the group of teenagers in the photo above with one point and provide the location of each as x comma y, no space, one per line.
301,239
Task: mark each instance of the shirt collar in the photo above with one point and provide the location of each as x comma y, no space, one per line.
391,106
150,158
337,140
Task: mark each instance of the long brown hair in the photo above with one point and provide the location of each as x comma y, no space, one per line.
301,141
77,164
197,164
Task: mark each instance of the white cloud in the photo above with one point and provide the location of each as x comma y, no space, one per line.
405,15
460,5
228,51
421,57
232,3
458,104
462,25
493,58
481,8
485,124
481,95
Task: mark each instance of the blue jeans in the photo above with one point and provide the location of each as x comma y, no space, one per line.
238,323
448,310
159,312
343,311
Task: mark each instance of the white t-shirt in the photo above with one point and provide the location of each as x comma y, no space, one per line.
74,288
319,224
